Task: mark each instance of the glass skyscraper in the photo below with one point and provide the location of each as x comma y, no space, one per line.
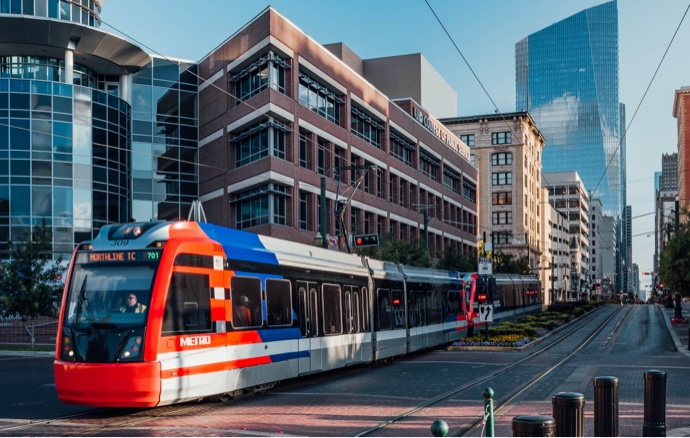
566,77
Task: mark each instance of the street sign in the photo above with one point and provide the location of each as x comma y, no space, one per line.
332,242
486,313
485,266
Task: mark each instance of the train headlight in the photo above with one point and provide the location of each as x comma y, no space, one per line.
132,350
66,348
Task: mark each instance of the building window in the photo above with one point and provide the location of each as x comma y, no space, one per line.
321,158
261,205
428,165
502,178
469,190
468,139
502,238
259,141
451,180
401,149
502,217
502,198
365,127
303,151
501,137
257,77
303,210
502,159
319,99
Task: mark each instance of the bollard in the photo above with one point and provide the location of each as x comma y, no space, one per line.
654,403
569,413
534,425
439,428
488,394
606,406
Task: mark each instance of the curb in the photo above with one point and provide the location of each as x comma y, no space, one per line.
680,348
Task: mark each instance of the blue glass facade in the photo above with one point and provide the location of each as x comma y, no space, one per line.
93,130
566,77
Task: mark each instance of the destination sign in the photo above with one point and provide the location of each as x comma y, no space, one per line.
119,256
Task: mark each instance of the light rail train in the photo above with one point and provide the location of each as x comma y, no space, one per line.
304,310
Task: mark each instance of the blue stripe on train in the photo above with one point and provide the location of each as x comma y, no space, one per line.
239,245
280,334
287,356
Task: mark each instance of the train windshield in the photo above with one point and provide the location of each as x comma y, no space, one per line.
109,295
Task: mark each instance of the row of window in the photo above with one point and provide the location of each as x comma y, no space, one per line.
496,138
83,12
328,309
269,71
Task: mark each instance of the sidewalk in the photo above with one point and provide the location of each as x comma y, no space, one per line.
679,332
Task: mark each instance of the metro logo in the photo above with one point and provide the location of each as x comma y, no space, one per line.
195,340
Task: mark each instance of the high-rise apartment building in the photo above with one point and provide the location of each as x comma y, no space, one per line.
566,77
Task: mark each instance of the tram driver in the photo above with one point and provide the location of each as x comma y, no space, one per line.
243,315
131,305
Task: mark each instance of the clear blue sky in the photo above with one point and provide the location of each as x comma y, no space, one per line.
485,31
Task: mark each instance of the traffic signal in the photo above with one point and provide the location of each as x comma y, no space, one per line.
363,240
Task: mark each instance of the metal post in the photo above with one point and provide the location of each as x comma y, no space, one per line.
488,394
654,403
569,413
679,308
606,406
534,425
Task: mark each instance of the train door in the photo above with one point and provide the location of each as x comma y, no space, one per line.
350,303
414,322
309,342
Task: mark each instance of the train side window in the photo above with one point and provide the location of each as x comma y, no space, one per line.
384,307
303,304
246,302
313,312
278,302
365,309
347,301
454,302
356,312
411,310
332,313
398,309
188,308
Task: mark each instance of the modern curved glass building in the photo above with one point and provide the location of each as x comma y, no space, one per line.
566,77
92,128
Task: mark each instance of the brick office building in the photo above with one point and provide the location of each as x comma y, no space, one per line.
278,112
681,112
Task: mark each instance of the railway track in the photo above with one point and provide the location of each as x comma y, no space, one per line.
474,425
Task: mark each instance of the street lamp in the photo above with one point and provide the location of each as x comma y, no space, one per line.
318,239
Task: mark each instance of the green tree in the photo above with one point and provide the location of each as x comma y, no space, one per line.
674,265
414,253
454,260
28,279
509,264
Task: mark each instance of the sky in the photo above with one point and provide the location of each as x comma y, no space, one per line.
485,31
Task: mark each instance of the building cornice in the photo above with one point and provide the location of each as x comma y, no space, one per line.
100,51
